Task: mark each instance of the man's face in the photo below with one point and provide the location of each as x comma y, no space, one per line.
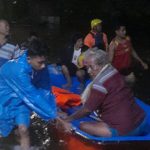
4,28
98,28
121,32
37,62
92,68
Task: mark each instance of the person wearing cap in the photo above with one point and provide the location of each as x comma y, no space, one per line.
96,38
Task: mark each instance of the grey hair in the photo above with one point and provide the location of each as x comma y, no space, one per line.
100,56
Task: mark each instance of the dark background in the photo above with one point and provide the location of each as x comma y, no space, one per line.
56,21
75,15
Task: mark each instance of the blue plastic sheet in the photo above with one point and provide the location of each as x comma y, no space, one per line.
18,96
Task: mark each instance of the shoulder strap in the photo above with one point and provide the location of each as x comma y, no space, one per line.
93,35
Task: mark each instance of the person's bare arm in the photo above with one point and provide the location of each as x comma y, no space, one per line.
67,76
65,123
78,114
135,55
111,51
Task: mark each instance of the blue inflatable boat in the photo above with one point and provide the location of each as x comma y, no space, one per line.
57,79
92,117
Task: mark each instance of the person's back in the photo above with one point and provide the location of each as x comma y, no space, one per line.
7,51
19,96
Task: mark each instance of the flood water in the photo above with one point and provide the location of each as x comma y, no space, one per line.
44,136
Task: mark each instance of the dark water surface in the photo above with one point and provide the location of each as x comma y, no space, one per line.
45,136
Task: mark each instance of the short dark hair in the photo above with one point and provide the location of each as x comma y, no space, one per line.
37,48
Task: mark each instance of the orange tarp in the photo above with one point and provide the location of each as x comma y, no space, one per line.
65,99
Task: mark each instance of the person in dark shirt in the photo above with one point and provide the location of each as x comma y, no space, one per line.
70,64
19,96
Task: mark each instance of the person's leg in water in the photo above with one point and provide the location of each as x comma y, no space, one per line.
24,137
98,129
22,121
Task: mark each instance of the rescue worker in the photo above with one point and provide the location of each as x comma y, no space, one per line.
19,97
96,38
121,53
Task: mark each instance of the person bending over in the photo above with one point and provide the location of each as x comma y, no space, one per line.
19,97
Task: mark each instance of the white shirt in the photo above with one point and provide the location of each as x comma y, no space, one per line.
76,54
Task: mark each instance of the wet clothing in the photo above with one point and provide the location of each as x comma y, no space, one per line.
114,102
75,57
122,56
18,96
96,40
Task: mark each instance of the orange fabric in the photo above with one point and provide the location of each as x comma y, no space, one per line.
90,40
65,99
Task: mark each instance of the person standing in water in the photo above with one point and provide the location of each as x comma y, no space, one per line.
121,53
19,96
96,38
